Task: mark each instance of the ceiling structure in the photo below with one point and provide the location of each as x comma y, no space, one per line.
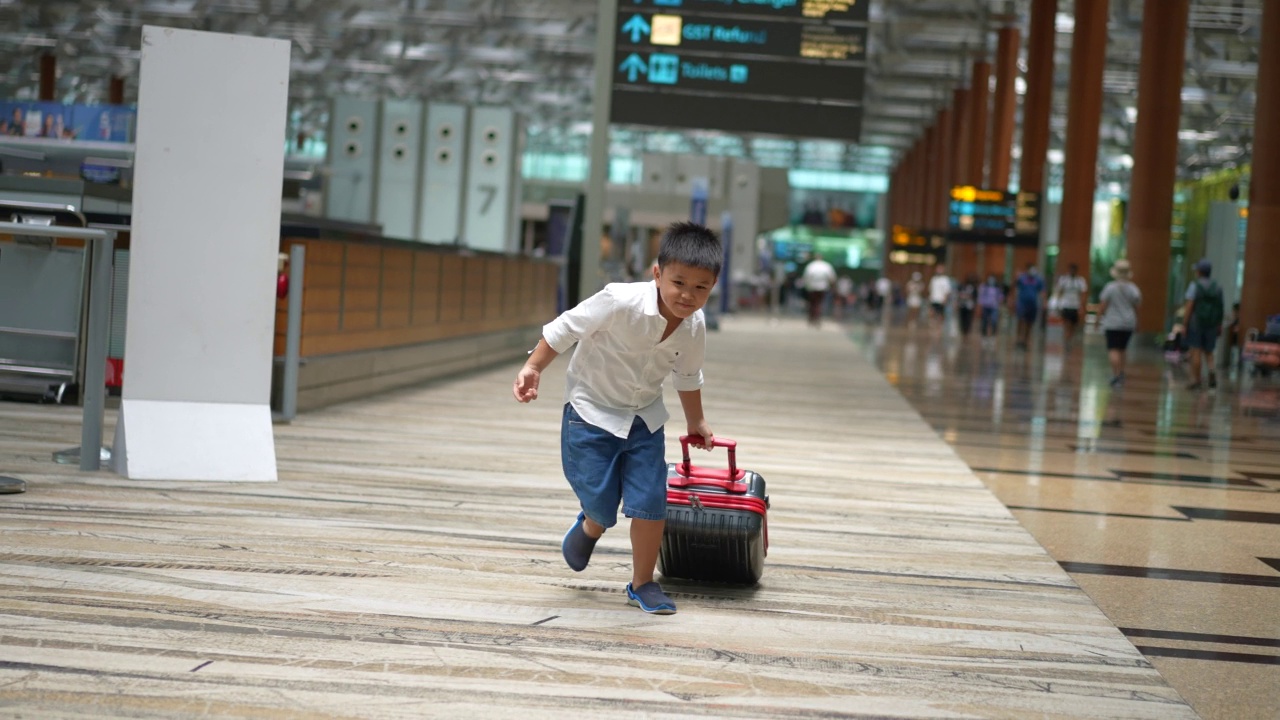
538,56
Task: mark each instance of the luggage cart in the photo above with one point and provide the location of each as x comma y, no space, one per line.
89,358
42,304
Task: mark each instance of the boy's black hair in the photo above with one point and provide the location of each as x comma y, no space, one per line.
691,244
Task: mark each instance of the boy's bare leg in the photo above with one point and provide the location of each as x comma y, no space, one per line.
646,539
592,528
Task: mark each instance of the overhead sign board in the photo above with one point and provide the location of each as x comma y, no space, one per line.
993,216
846,10
789,67
783,38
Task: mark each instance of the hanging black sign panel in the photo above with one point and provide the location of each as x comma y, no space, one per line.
786,67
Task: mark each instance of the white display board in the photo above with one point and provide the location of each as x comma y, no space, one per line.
208,170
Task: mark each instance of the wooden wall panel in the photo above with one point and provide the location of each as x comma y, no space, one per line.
364,256
322,300
495,287
426,288
397,286
451,282
319,275
359,300
363,297
474,288
322,252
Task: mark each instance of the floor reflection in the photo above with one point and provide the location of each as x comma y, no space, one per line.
1163,503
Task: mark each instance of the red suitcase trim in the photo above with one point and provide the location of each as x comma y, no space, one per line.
729,479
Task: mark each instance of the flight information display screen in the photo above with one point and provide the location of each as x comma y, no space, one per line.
785,67
993,216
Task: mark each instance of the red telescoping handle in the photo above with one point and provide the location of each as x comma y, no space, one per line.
728,479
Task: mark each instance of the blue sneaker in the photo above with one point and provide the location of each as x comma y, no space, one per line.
650,598
577,545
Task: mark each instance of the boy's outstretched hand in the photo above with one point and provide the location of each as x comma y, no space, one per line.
526,385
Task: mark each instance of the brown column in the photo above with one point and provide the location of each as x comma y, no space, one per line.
942,158
929,178
963,256
918,183
1038,102
1084,115
115,90
979,124
1155,155
901,192
960,136
891,213
909,189
970,256
1002,121
1036,107
904,203
1260,294
979,121
1006,104
48,77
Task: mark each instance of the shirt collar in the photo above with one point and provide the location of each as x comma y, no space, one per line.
650,306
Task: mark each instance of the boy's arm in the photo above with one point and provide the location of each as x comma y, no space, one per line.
691,401
526,384
558,336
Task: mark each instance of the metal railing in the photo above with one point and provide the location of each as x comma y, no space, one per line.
101,243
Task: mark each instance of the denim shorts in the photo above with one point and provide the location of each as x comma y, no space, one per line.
1198,339
605,470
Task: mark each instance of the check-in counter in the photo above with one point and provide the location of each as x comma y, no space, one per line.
379,314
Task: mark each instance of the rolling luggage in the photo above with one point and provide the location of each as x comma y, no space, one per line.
717,526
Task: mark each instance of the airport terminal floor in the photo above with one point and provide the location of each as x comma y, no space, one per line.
407,564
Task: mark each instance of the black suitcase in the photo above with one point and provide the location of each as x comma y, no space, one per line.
717,521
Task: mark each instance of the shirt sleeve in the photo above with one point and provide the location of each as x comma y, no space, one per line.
688,367
1191,291
578,322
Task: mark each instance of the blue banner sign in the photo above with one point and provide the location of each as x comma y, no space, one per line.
102,123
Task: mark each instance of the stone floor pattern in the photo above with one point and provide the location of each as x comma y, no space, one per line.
407,565
1162,503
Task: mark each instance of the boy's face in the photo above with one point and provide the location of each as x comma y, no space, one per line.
682,290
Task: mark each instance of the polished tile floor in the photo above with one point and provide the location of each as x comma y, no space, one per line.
407,564
1162,503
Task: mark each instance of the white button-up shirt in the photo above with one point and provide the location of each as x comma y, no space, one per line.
616,374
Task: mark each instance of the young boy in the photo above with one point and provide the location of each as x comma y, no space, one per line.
630,337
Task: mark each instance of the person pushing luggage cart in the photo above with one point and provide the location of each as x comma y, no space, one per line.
630,336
